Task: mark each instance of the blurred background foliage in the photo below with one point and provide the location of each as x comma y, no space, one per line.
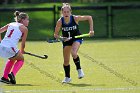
70,1
121,21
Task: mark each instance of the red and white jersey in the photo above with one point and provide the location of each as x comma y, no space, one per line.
13,35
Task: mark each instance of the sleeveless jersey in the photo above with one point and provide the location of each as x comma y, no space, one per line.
71,29
12,35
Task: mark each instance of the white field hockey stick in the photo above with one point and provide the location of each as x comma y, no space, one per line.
35,55
65,38
69,38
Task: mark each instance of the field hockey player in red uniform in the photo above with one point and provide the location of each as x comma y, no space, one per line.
8,46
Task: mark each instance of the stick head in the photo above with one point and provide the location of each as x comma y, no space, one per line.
45,56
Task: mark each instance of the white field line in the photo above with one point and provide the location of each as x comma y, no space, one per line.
74,90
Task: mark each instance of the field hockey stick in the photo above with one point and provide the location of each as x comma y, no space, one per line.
35,55
83,35
69,38
64,38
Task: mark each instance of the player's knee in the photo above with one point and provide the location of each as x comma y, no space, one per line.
21,58
74,55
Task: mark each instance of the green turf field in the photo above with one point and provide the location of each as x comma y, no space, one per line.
110,66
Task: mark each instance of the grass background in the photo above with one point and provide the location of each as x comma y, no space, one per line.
98,58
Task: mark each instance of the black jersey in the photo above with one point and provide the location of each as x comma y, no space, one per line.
71,29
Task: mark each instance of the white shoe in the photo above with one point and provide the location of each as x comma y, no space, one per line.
80,73
66,80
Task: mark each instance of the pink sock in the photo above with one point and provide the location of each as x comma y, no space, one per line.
8,68
17,66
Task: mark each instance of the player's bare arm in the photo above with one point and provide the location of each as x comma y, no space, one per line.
4,28
24,30
84,18
57,28
0,37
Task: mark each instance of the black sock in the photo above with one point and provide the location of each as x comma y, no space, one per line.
67,70
77,62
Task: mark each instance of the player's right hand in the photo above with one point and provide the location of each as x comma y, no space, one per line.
56,36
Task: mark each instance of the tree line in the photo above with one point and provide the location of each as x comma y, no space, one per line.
69,1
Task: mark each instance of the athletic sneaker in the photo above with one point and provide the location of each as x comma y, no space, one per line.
80,73
12,78
66,80
4,80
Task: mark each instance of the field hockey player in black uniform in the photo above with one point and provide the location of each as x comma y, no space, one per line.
69,25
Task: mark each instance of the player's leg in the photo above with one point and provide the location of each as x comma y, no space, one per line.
66,65
76,58
18,64
9,63
7,70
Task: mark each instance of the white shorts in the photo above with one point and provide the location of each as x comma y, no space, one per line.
8,52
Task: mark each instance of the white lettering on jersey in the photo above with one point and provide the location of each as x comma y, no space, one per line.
69,28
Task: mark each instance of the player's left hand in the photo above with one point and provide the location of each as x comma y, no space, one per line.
91,33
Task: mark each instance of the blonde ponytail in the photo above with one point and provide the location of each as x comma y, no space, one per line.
19,16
